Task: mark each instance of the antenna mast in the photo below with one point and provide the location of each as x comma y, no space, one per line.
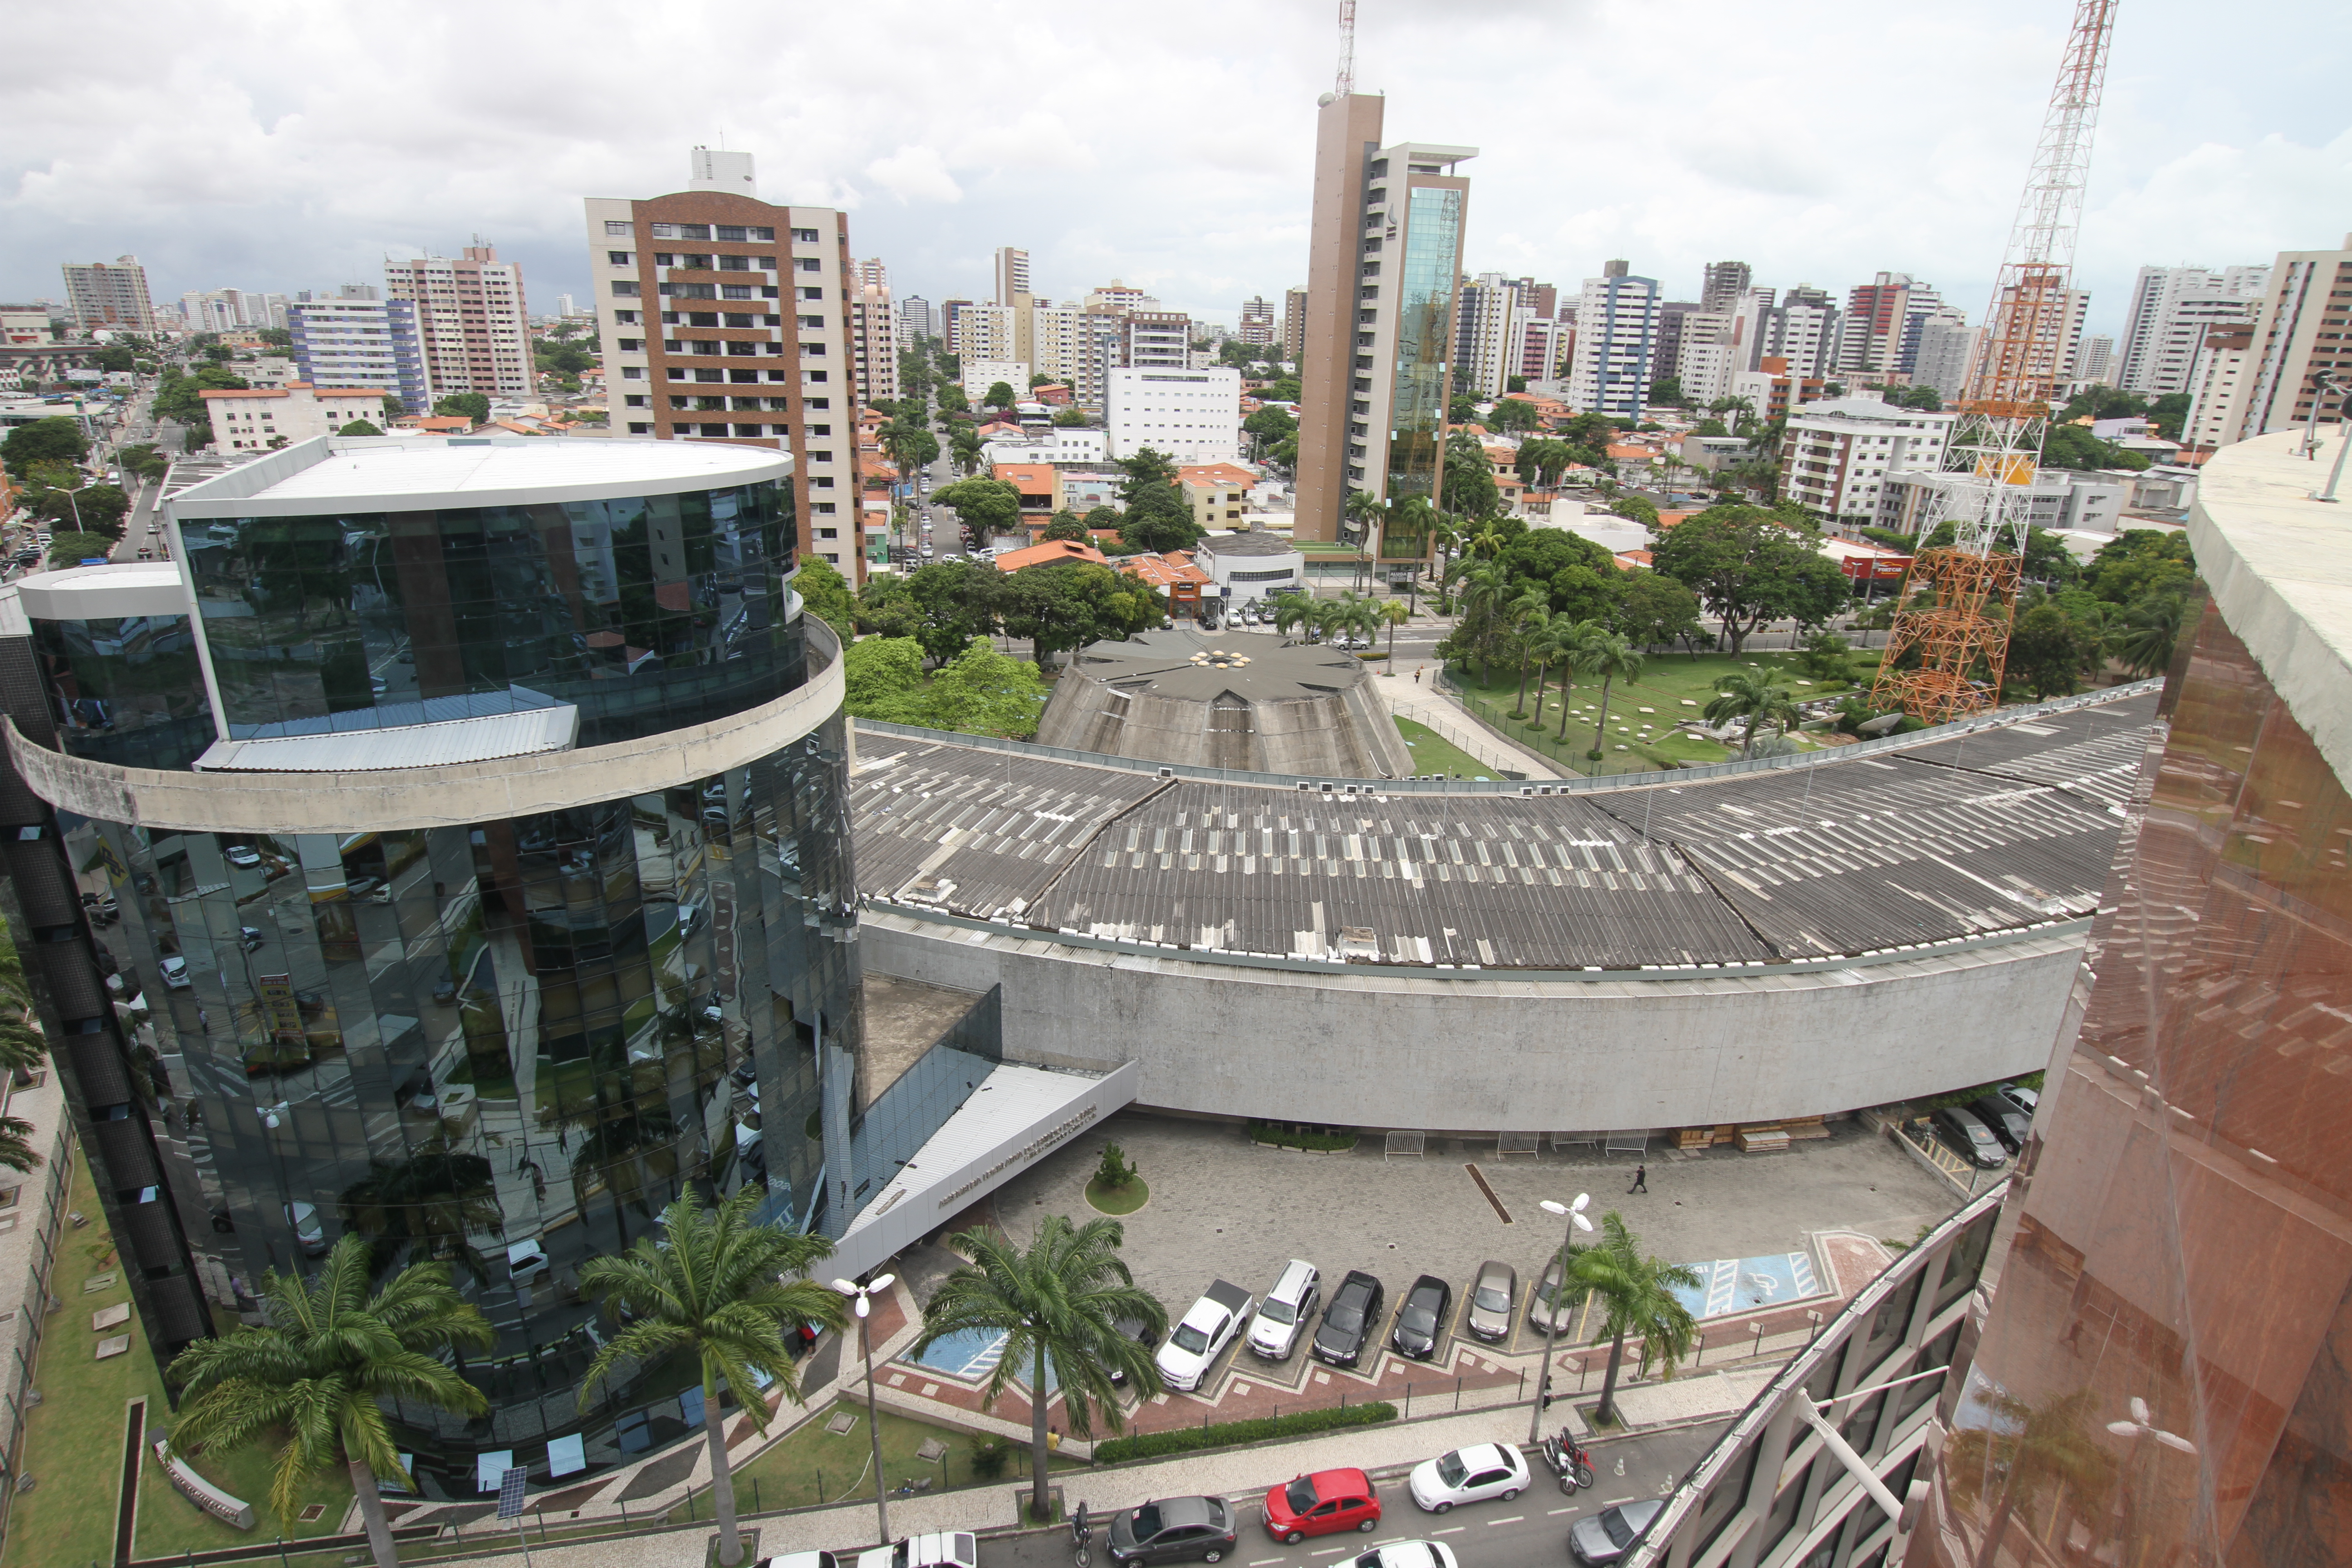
1347,83
1956,602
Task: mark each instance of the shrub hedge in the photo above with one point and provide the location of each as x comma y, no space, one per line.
1151,1445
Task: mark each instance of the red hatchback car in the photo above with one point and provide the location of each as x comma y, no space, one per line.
1321,1504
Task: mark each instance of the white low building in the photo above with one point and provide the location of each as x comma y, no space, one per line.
980,374
259,419
1055,444
1250,565
1838,456
1191,416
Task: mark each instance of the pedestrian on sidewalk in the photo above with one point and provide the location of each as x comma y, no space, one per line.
1640,1179
1416,673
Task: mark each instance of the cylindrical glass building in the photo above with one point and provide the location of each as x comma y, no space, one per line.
470,817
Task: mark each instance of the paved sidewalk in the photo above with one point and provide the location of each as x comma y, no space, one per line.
1421,702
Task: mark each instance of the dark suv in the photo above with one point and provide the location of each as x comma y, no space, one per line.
1350,1320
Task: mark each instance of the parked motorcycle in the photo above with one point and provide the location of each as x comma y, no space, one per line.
1571,1462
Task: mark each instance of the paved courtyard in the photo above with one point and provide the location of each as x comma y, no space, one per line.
1222,1207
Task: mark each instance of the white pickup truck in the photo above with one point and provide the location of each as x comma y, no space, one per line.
1203,1333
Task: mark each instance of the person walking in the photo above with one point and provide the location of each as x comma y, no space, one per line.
1640,1179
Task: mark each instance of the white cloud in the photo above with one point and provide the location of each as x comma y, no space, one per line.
272,146
914,175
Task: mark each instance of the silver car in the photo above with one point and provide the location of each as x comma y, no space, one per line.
1539,1299
1608,1535
1492,1295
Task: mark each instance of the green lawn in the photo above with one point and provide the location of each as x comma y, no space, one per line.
1123,1199
1433,753
790,1474
1641,734
73,1438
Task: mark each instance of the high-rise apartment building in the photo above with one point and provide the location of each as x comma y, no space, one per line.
1257,328
470,310
1666,351
1293,323
725,318
2096,361
362,343
1880,340
2301,328
2171,309
2216,387
1156,340
1948,346
1713,345
110,295
1012,275
915,320
1483,336
2047,362
988,331
1384,260
1838,456
1118,296
225,310
1616,343
951,313
1723,284
872,331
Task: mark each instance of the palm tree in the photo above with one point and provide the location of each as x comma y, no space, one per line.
1486,541
1059,1304
21,1046
320,1370
1636,1295
1525,614
2030,1450
723,1289
1759,698
1292,611
1569,641
1394,615
2149,630
1486,591
1611,657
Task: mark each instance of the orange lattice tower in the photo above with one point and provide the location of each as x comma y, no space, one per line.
1956,602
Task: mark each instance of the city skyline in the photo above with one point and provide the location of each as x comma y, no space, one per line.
251,180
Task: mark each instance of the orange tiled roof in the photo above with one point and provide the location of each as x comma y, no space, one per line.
1162,571
1216,474
1026,476
1047,553
1617,449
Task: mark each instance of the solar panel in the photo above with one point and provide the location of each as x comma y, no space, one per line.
510,1487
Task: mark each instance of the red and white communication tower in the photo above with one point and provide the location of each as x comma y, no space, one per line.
1956,602
1346,82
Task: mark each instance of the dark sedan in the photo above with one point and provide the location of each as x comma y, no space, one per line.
2007,1122
1348,1320
1422,1322
1606,1536
1172,1530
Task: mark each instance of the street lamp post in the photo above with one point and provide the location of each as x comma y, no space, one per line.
1574,1213
859,1295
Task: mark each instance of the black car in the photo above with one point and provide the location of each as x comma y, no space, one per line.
1422,1322
1135,1328
1172,1530
1971,1138
2007,1122
1348,1321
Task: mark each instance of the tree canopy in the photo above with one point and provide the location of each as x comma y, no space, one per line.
1513,413
984,506
824,593
1069,603
1749,565
1470,489
59,439
999,395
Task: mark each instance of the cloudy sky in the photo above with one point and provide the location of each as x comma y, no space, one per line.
278,146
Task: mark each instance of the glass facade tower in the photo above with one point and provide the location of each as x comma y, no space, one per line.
479,884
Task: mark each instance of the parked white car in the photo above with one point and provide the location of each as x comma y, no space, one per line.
1469,1475
947,1549
1201,1334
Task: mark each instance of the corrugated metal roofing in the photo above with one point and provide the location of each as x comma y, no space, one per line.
1994,831
525,734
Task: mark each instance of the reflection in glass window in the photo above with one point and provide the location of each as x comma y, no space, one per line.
1424,343
648,614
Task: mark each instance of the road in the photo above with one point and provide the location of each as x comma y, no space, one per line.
1528,1532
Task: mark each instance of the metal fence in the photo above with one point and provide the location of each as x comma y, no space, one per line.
46,1214
1508,786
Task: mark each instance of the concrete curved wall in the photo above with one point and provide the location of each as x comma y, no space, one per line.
1360,1047
408,798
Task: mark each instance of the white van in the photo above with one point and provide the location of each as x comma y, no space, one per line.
1289,1305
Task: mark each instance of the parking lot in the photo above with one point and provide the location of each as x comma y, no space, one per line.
1224,1207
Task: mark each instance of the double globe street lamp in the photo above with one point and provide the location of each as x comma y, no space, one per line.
860,1296
1574,1213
